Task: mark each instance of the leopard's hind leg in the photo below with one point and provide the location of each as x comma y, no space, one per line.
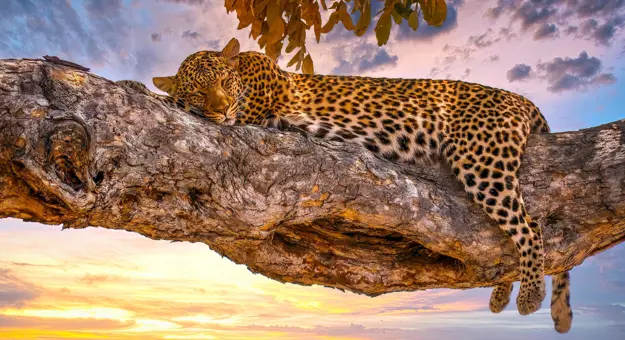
561,312
487,162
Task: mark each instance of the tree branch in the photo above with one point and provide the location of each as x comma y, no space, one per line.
79,150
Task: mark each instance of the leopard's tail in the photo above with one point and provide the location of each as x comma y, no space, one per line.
561,312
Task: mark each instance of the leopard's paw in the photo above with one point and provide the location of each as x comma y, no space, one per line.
500,297
531,296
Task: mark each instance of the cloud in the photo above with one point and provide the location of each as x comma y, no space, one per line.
483,40
15,292
586,8
598,20
170,293
574,73
614,312
571,30
92,279
519,72
54,25
190,35
381,58
600,33
615,285
501,7
185,312
108,22
530,13
507,33
475,43
191,2
360,330
116,39
546,31
63,324
466,74
453,54
103,7
363,58
458,52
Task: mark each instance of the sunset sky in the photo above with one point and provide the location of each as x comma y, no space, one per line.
565,55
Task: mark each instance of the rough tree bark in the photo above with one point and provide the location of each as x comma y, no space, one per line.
78,150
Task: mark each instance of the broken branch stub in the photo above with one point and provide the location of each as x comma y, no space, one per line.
79,150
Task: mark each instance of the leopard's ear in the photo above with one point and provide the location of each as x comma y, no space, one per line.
231,52
165,84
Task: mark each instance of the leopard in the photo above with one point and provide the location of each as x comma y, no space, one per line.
480,131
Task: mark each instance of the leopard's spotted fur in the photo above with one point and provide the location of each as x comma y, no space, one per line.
481,131
208,81
561,312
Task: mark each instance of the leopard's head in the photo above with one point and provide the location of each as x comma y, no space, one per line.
209,81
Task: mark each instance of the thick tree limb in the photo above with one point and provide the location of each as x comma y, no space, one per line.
79,150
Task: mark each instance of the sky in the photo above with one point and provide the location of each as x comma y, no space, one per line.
567,56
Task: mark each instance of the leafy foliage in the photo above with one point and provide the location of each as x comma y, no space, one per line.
273,21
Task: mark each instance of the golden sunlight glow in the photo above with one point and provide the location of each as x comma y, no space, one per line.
74,285
202,318
52,334
190,337
147,325
84,313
